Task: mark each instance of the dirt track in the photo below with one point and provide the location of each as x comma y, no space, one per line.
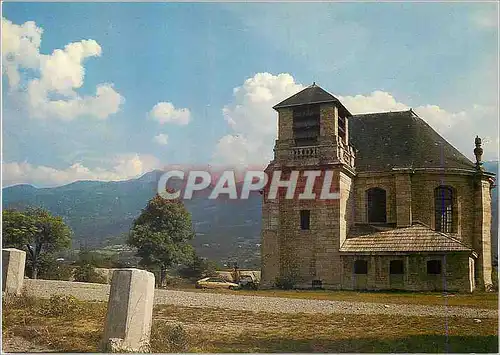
98,292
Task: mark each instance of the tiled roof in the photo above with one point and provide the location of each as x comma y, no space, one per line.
401,139
312,95
417,238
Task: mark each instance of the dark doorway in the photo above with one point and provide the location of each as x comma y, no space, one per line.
376,198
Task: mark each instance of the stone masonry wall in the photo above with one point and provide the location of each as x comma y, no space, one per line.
482,232
423,210
454,277
362,184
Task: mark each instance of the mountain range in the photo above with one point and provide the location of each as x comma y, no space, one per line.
101,213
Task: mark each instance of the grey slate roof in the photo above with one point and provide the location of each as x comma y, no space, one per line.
388,140
312,95
401,139
417,238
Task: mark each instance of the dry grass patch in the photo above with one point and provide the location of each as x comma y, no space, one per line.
475,300
61,323
217,330
68,325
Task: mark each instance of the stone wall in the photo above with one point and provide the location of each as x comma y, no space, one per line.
423,210
455,274
482,232
364,182
81,290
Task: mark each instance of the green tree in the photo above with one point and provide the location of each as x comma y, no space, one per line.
49,268
17,228
37,231
198,267
161,234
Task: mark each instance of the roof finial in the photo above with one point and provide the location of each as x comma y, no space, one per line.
314,83
478,152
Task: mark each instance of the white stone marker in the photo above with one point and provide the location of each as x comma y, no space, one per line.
13,261
130,311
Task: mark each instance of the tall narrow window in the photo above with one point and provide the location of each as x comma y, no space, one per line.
342,128
376,201
306,127
443,202
305,219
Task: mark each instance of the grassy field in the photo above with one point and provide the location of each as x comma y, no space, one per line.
475,300
68,325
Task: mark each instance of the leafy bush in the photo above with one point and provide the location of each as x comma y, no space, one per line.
50,269
87,273
287,282
198,268
168,338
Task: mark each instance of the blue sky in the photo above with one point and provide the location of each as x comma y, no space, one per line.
439,58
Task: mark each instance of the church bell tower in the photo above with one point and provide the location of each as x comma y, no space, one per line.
301,237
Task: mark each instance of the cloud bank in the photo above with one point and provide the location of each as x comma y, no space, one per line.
47,83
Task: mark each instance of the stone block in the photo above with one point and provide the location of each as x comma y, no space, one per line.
13,262
130,311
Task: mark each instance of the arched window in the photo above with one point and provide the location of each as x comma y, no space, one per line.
376,198
443,202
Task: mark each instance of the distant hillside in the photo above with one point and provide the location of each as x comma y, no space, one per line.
100,212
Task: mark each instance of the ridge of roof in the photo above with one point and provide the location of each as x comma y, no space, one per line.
381,113
315,93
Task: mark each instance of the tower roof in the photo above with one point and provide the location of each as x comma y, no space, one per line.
388,140
312,95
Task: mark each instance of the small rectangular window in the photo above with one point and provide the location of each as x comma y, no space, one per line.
396,267
434,267
305,219
361,267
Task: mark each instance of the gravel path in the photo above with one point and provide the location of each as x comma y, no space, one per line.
97,292
15,344
292,305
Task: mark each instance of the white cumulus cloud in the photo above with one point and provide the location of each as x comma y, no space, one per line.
123,167
165,112
161,139
254,122
47,82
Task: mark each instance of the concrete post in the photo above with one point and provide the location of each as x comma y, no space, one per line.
13,261
130,311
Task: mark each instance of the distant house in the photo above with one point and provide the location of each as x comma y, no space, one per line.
414,213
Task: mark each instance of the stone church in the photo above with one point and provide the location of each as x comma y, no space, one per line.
413,214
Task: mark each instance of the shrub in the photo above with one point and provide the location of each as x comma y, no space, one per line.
168,338
50,269
287,282
87,273
198,268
